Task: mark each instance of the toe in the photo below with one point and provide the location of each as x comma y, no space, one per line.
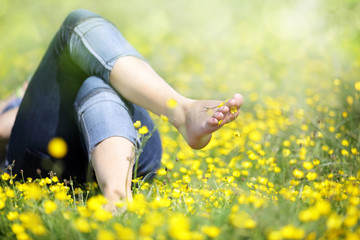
238,99
223,109
234,116
234,105
232,102
218,115
213,122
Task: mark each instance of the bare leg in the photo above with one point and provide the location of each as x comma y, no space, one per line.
135,80
113,161
7,121
4,103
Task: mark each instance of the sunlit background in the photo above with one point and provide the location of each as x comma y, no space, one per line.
205,48
287,168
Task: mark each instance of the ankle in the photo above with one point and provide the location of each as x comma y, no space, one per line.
115,194
177,116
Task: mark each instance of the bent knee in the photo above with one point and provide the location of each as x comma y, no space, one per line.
7,121
77,16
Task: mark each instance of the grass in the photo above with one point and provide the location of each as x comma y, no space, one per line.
287,168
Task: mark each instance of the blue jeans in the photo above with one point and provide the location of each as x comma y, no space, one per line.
73,77
13,104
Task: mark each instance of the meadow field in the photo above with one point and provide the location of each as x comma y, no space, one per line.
287,168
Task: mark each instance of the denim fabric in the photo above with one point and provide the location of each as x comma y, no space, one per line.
101,113
88,49
85,47
13,104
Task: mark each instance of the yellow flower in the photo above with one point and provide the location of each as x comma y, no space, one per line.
211,231
237,134
344,152
57,147
354,151
302,153
308,165
61,196
176,193
96,203
241,219
334,221
221,104
308,215
170,165
350,100
189,200
294,182
357,86
50,206
337,82
179,226
164,118
316,162
5,176
292,161
124,233
55,179
12,216
286,143
10,193
105,235
33,191
33,222
84,211
323,207
286,152
146,229
255,136
345,142
298,174
143,130
262,180
236,173
250,223
67,215
17,228
39,230
246,164
82,225
311,176
102,215
233,110
137,124
291,232
351,220
161,172
42,182
304,127
171,103
274,235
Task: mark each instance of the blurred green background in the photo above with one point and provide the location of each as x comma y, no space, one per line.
206,48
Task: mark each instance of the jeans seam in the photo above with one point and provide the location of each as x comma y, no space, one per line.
85,130
71,28
93,93
83,39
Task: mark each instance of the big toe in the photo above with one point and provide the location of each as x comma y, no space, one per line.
238,99
235,103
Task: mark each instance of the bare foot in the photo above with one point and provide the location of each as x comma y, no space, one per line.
203,117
